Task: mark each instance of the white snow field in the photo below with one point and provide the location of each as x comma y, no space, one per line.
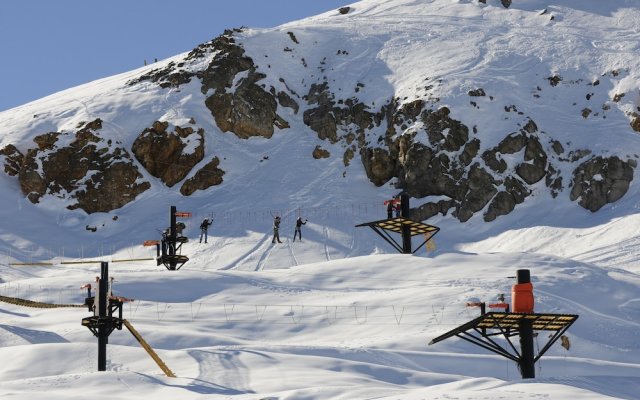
339,315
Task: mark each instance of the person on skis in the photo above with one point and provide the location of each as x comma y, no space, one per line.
204,226
276,229
298,231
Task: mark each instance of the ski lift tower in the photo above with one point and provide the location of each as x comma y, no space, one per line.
103,321
172,241
107,317
521,321
405,226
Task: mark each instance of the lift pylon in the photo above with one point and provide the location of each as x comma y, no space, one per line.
523,322
170,246
405,226
104,306
107,317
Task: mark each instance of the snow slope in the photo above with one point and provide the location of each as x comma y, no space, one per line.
339,315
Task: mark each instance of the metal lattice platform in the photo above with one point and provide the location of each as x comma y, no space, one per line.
402,225
396,224
483,330
510,322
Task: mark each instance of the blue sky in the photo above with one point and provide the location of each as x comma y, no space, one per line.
51,45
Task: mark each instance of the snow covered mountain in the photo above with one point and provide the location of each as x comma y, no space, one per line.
513,125
474,108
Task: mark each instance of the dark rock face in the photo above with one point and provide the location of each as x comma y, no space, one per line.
378,165
429,210
319,153
348,155
428,170
492,161
170,76
163,153
437,123
477,92
98,174
247,109
635,123
328,115
440,156
286,101
239,104
505,201
512,143
207,176
13,160
599,181
481,188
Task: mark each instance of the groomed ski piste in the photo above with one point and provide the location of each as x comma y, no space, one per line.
247,319
338,315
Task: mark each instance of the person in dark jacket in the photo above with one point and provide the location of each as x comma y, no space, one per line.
276,230
389,209
298,231
204,226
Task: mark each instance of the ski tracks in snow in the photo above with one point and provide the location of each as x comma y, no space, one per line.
326,242
261,247
294,260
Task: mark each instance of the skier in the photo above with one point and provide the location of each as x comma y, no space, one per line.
276,229
398,210
204,226
298,231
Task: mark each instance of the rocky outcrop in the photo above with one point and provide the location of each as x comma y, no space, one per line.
348,155
326,115
319,152
13,160
443,167
169,155
236,100
238,103
480,189
429,153
97,174
505,201
172,75
378,165
429,210
533,169
247,111
207,176
599,181
635,122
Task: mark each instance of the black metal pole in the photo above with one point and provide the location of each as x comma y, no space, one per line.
406,230
172,239
527,360
103,333
173,223
526,363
